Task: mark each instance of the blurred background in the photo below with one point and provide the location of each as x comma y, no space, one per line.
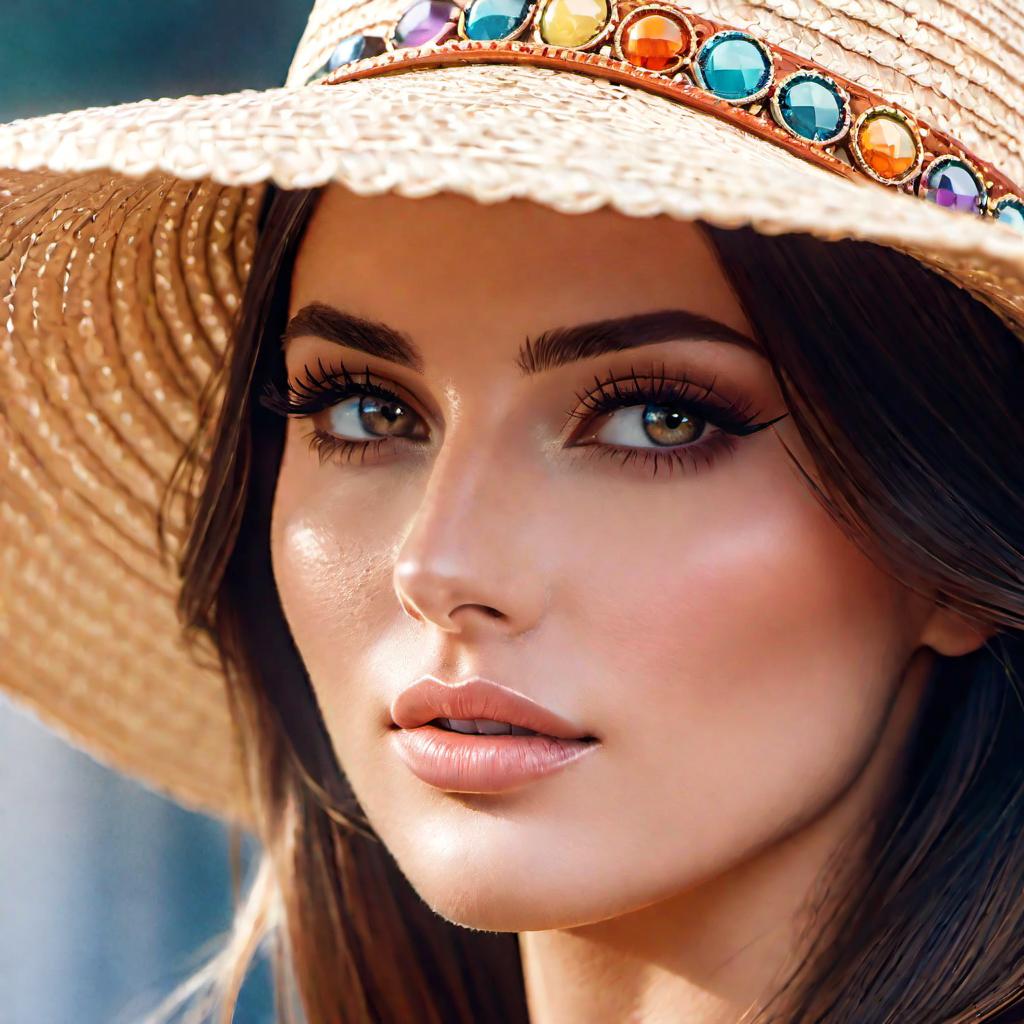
108,891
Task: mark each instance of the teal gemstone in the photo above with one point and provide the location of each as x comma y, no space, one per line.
495,19
811,106
733,66
1011,211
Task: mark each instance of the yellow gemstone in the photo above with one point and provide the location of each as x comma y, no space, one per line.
573,22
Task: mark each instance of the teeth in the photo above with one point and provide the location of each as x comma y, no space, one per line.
461,724
482,726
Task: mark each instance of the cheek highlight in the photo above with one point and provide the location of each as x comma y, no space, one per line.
780,599
332,589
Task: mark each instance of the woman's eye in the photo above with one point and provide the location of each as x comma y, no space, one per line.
637,426
366,417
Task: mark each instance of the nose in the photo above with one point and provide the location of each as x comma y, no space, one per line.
470,561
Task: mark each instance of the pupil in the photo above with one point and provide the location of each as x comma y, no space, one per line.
370,408
661,422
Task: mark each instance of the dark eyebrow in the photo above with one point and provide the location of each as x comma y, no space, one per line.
368,336
562,345
555,347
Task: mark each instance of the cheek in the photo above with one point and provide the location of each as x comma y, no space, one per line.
748,652
332,571
734,651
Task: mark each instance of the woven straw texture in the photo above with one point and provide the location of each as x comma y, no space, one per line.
126,234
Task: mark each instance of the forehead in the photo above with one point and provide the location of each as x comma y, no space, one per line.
445,265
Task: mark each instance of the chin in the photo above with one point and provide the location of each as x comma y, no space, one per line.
497,899
485,910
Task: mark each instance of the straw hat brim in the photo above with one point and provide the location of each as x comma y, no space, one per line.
125,238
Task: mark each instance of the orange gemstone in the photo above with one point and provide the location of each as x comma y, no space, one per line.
888,145
655,41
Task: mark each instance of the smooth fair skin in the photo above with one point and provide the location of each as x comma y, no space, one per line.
751,673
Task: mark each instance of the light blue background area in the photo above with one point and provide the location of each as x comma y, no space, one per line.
108,892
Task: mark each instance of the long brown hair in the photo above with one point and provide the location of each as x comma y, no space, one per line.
908,394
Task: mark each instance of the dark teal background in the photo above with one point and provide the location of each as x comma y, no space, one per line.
59,55
109,892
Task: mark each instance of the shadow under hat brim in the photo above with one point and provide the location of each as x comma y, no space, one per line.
125,238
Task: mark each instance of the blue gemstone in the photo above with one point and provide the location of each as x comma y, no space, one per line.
733,66
810,106
495,19
950,182
1011,211
357,47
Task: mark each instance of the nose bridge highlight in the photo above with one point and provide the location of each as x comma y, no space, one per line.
465,557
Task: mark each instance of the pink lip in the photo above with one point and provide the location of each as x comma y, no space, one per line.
461,762
429,698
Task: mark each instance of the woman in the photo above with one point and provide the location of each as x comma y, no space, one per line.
733,519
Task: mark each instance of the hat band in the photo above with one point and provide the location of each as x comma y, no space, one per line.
764,89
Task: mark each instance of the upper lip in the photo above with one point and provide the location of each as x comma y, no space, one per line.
429,698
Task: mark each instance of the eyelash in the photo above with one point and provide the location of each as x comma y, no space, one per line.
734,419
311,394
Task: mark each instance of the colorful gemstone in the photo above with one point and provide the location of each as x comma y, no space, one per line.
495,19
656,42
734,66
573,23
1010,210
887,146
811,106
351,48
427,21
951,182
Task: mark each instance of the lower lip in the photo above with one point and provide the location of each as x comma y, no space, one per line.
467,763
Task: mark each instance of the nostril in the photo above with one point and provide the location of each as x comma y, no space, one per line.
487,610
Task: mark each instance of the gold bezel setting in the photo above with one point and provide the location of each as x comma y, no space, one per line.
323,71
944,160
591,44
666,11
894,114
388,32
716,39
1009,199
832,86
524,25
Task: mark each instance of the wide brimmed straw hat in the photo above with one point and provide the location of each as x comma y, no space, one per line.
126,235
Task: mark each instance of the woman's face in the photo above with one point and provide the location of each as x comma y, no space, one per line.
672,589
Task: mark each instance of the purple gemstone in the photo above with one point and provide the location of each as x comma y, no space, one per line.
949,182
425,22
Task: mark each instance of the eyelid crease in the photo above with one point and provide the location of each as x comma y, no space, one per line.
309,394
661,388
